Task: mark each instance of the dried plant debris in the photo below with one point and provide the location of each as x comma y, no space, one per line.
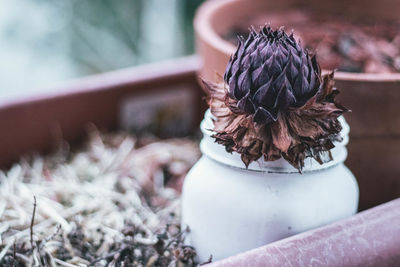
341,43
113,204
275,103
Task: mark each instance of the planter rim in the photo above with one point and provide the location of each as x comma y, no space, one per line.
205,31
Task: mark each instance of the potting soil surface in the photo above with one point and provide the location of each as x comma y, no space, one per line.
340,43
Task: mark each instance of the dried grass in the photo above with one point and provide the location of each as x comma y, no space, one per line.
107,205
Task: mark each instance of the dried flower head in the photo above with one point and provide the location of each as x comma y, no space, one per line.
274,102
269,73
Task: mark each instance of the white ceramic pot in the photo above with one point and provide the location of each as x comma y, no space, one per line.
231,209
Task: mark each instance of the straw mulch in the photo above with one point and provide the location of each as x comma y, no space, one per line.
115,203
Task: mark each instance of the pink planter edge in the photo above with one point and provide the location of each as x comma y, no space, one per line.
369,238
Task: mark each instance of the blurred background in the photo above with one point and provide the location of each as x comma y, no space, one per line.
45,41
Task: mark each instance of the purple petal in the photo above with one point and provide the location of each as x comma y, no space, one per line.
260,76
244,84
278,82
256,59
274,69
266,52
232,88
228,70
314,82
245,64
315,65
248,41
264,95
285,97
245,104
263,116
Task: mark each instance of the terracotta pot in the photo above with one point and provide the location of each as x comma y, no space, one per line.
374,98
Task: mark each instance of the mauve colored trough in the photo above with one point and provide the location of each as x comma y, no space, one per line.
370,238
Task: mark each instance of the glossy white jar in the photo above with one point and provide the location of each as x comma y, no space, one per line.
231,209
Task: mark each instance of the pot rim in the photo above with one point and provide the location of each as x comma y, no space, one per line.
205,31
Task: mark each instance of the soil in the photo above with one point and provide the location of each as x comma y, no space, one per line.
340,44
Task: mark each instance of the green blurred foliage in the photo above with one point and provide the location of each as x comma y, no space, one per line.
109,34
45,41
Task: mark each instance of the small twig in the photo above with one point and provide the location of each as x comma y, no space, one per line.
50,237
14,251
178,238
109,255
22,257
63,263
33,219
208,261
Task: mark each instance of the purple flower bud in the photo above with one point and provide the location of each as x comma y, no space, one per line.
269,73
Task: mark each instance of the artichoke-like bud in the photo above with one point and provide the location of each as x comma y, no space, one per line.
269,73
275,103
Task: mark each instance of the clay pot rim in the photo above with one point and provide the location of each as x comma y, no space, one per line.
205,31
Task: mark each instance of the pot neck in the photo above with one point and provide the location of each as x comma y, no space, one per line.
218,153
